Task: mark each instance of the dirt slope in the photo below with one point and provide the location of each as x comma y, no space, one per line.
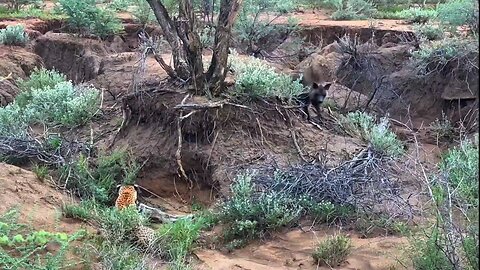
39,204
292,250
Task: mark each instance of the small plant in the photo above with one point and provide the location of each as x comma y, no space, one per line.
354,9
63,103
257,79
24,248
381,138
428,31
120,5
143,12
14,35
249,216
445,55
178,238
460,166
41,172
456,13
12,121
442,128
19,4
98,182
333,251
413,15
428,254
86,16
39,79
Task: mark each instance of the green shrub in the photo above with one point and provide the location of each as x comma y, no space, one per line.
428,253
86,16
142,12
120,5
353,10
19,4
21,247
99,182
62,104
333,251
120,256
12,121
178,238
248,216
413,15
58,102
31,12
257,79
14,35
442,128
460,165
381,138
40,171
446,54
253,30
458,13
429,32
39,79
326,212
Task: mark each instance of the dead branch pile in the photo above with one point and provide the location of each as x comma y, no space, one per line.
31,148
367,182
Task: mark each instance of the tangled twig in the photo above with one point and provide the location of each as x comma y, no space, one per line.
368,182
27,147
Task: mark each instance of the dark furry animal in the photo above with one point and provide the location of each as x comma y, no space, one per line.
315,97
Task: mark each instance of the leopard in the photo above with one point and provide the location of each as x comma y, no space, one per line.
146,238
142,235
127,196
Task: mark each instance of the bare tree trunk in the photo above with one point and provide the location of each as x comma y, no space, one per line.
218,67
169,31
182,35
186,30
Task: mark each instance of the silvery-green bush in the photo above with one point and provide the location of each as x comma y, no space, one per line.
257,79
14,35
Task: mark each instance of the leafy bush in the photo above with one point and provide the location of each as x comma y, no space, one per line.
99,182
458,13
429,32
332,251
41,172
24,248
413,15
248,216
86,16
39,79
460,166
31,12
179,237
326,211
428,254
250,28
18,4
120,5
12,121
381,138
61,104
13,35
354,9
442,128
46,97
257,79
446,54
143,12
